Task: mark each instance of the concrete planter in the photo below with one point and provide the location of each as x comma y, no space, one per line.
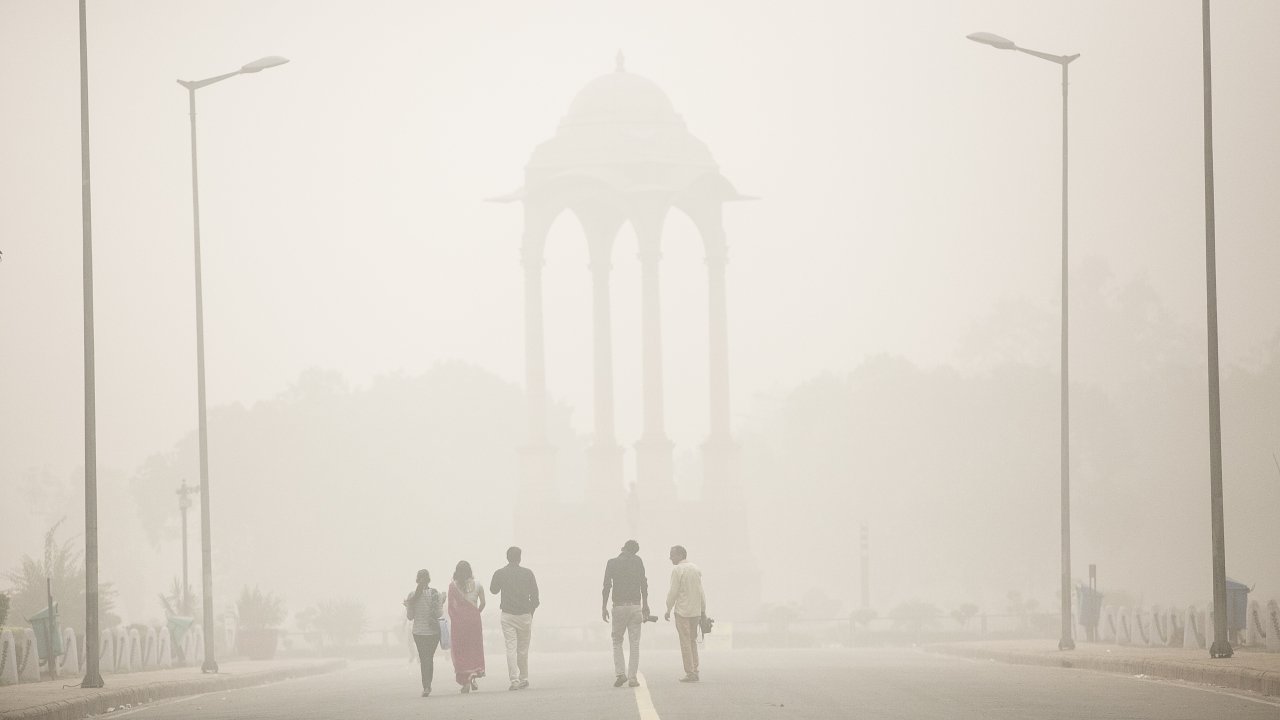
259,643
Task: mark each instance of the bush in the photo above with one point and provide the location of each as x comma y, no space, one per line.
256,610
62,564
915,615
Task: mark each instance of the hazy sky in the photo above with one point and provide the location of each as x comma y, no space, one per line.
908,183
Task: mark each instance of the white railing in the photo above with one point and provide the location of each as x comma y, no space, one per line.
68,665
1188,628
8,659
120,650
1273,626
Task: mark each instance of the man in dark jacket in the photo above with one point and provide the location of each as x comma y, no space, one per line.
519,590
624,576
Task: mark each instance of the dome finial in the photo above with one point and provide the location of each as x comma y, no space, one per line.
621,61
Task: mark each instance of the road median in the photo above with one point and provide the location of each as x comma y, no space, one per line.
54,700
1255,672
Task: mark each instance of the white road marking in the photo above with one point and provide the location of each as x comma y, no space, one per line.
1241,694
159,703
1230,692
644,703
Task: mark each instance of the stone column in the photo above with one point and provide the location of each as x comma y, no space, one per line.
602,353
537,457
535,375
654,464
604,455
729,547
718,335
720,452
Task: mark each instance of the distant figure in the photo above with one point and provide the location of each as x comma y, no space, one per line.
624,575
466,602
519,590
689,603
424,606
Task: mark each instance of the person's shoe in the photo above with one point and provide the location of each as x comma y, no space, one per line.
524,684
633,683
515,685
620,681
426,693
474,685
466,688
690,678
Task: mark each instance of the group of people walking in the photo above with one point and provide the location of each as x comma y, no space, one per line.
625,583
466,601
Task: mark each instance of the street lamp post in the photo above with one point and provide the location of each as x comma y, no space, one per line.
184,503
1067,642
1221,647
92,674
206,552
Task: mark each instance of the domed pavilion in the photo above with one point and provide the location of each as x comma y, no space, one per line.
622,154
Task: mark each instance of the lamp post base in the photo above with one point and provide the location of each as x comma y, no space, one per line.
209,666
1066,643
92,681
1221,650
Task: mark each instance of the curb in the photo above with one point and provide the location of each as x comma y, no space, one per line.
97,704
1262,682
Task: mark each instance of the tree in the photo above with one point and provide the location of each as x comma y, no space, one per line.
863,617
915,615
340,621
176,602
1021,607
62,565
411,436
964,614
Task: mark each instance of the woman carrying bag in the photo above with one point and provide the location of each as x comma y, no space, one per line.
424,606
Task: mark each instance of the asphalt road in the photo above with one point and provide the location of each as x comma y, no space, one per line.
744,684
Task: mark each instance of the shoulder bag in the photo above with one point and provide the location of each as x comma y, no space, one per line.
444,626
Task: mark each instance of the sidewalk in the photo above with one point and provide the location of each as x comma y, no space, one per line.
50,700
1257,672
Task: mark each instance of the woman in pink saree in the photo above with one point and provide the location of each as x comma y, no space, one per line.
466,602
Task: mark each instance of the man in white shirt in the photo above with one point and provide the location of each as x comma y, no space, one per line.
689,603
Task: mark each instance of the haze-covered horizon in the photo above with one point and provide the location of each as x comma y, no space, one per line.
903,236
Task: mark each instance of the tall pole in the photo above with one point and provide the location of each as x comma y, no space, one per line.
184,503
50,628
865,589
206,543
92,677
1067,642
186,595
1221,647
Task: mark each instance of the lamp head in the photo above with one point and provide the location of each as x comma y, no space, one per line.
994,41
263,63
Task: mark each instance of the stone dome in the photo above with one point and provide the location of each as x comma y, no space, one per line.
620,97
621,135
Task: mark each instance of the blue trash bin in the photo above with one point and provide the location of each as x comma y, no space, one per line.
47,629
1237,605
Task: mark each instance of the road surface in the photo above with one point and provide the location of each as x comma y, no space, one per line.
738,685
